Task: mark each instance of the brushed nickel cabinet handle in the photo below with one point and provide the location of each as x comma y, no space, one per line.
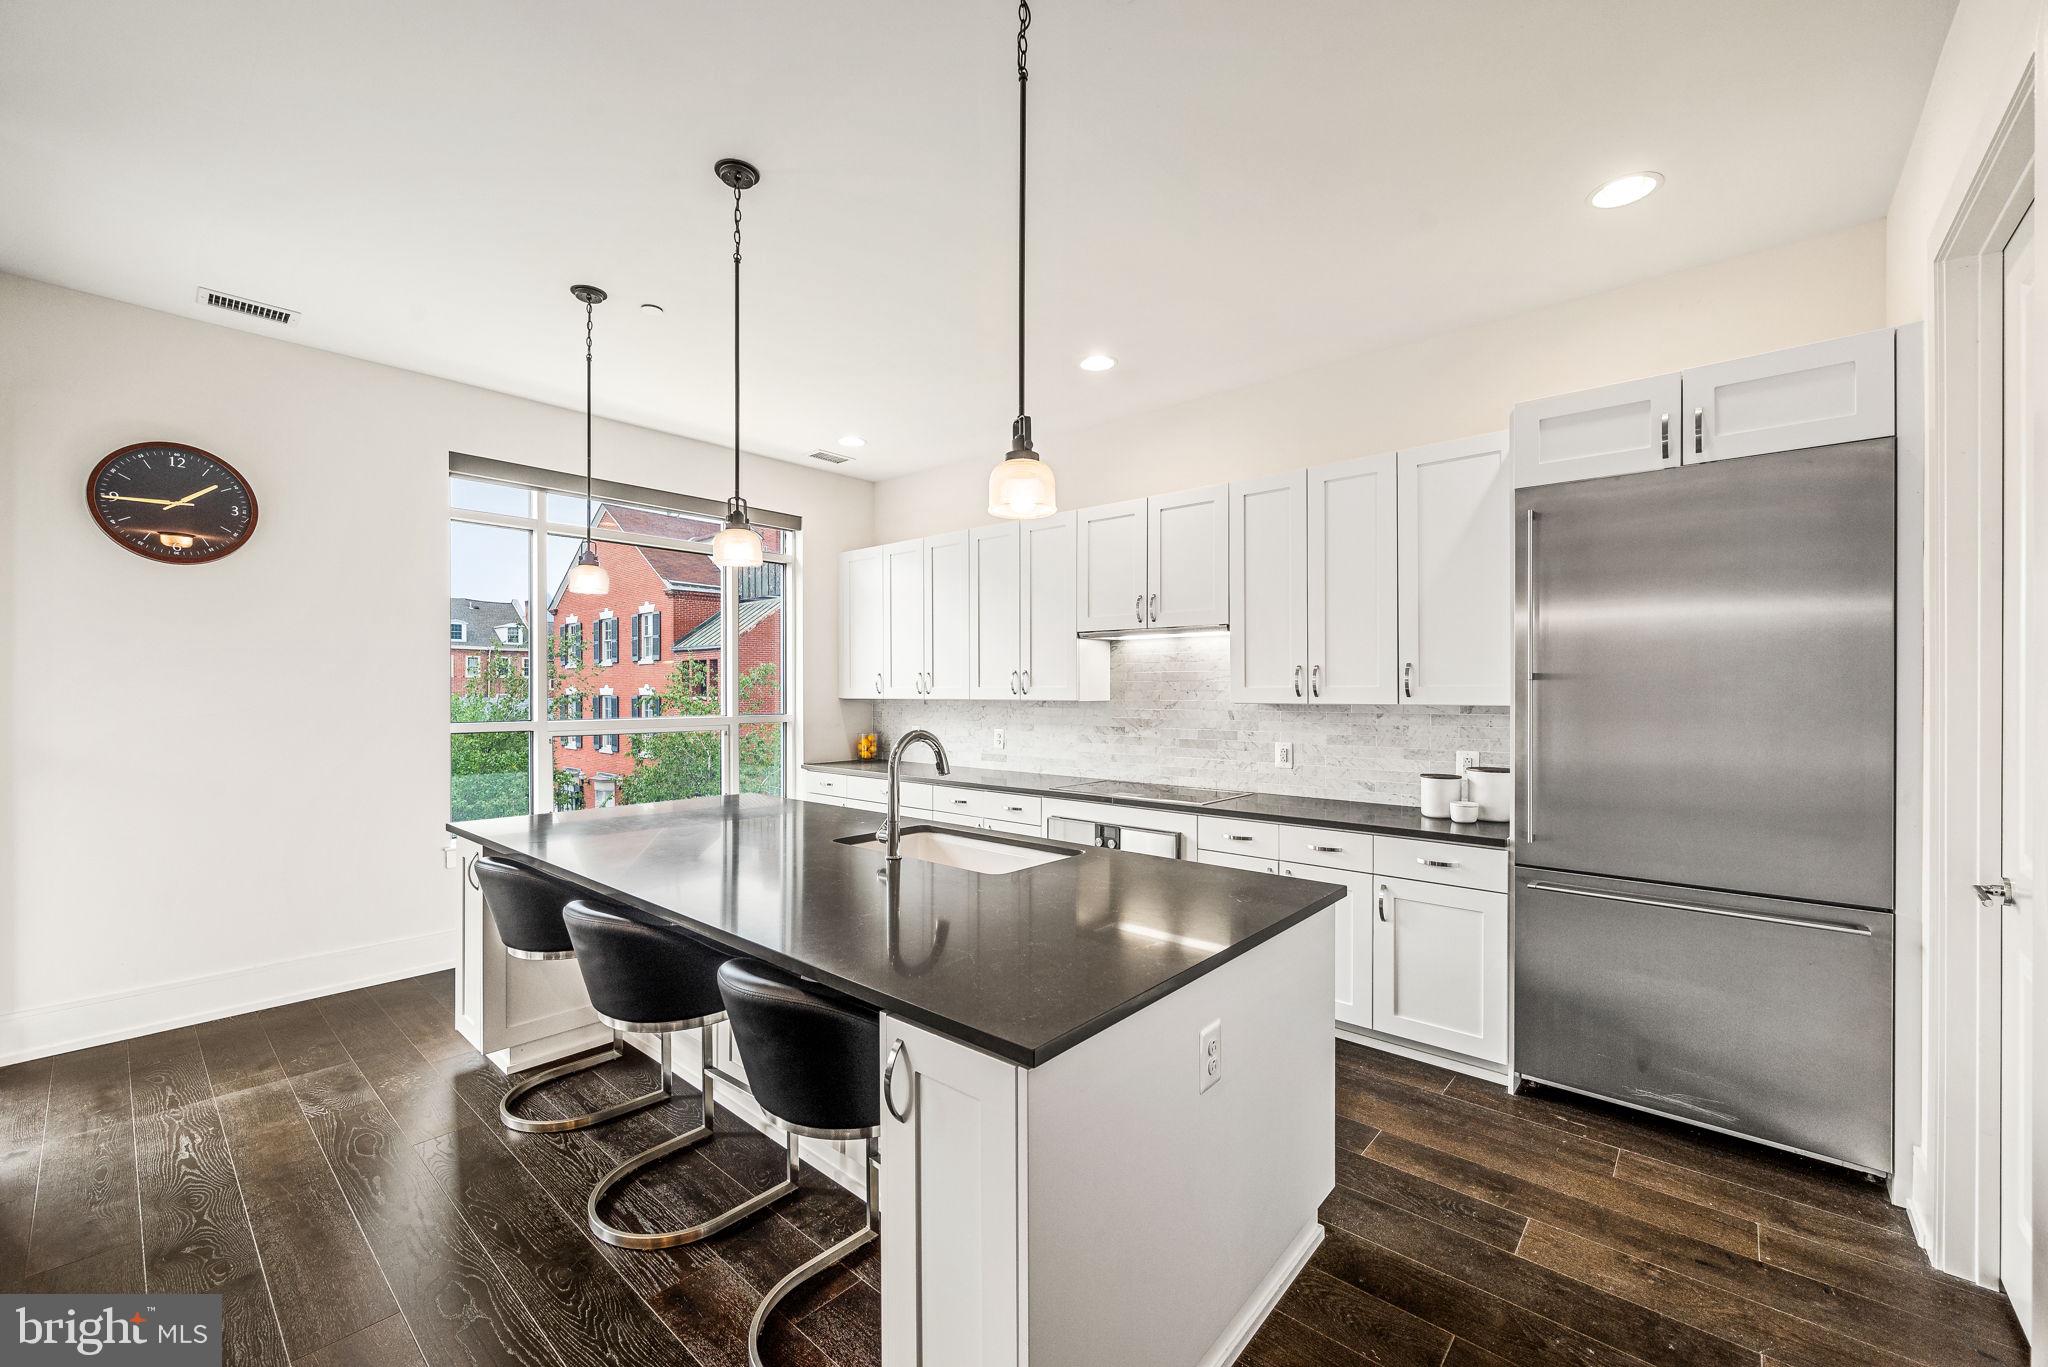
1327,849
1437,863
1297,681
1024,682
1155,607
1315,681
1408,679
896,1052
1383,902
1664,437
1236,837
1699,436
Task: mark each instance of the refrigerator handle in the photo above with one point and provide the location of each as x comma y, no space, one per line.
1795,921
1528,831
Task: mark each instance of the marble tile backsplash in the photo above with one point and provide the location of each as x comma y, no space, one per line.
1170,720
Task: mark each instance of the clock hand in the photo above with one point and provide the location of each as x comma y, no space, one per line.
132,498
186,501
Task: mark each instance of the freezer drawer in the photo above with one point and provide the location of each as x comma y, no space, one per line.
1763,1017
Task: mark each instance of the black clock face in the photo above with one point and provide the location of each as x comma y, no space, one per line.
172,503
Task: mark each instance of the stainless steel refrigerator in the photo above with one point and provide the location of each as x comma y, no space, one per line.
1704,815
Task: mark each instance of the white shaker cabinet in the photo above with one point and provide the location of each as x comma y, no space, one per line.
948,615
1269,589
1439,966
1834,391
1352,958
1456,572
996,592
863,623
1353,655
903,619
1024,613
1109,567
1187,558
1617,429
950,1187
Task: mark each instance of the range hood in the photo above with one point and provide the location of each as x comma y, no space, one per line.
1140,633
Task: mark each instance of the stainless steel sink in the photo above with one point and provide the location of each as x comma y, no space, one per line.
960,850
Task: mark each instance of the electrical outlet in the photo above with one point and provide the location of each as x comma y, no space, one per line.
1283,754
1210,1059
1467,759
998,740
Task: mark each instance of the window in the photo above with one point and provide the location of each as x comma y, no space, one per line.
458,631
525,738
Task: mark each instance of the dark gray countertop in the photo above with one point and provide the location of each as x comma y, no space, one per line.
1376,817
1024,965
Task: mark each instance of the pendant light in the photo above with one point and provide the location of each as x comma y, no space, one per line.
1021,488
588,576
738,547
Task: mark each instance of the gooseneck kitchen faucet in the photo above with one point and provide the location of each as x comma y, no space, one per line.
892,819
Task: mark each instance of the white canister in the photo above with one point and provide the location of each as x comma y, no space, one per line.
1492,786
1439,791
1463,812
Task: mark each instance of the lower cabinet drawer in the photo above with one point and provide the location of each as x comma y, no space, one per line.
1440,966
918,797
1437,861
1229,836
987,804
1237,861
1325,848
859,787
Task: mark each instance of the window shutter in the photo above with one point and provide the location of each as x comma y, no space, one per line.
655,642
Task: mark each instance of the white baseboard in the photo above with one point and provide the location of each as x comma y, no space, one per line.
1246,1322
1488,1072
40,1031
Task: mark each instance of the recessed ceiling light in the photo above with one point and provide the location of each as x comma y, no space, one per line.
1097,361
1624,190
853,439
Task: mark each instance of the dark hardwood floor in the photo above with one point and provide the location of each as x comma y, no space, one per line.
336,1171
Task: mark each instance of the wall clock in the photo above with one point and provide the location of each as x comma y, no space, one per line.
171,502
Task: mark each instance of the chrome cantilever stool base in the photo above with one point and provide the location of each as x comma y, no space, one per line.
577,1065
624,1172
831,1257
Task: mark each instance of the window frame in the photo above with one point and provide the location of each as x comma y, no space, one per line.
543,729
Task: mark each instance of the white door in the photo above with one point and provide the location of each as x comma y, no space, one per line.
1050,666
1188,558
994,552
1353,616
1457,572
1353,959
1440,966
1615,430
948,615
903,625
1110,567
863,623
1789,400
1269,589
950,1170
2020,827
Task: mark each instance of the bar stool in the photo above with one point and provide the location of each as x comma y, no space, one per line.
811,1056
656,980
527,909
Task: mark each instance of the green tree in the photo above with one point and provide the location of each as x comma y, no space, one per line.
487,770
686,763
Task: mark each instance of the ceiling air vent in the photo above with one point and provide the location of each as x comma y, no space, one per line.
830,457
248,308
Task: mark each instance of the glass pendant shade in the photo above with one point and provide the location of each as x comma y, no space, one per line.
1021,489
736,548
588,576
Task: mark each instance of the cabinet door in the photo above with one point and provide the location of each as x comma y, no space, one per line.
1789,400
1615,430
863,623
1353,646
1050,667
950,1274
1440,966
948,615
903,612
1109,567
1353,959
1188,558
1457,572
1269,589
996,588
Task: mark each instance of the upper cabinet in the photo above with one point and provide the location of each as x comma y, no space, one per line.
1024,612
1617,429
1807,396
863,624
1269,589
1457,572
1352,646
1789,400
1154,562
997,588
948,616
904,621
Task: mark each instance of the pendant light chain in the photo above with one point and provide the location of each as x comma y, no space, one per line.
1023,90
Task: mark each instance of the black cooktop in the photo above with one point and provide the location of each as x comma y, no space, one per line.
1150,792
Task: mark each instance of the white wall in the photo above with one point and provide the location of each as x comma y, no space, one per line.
224,784
1452,385
1987,50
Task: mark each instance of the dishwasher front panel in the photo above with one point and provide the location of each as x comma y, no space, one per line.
1762,1017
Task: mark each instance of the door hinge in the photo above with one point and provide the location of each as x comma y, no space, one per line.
1996,894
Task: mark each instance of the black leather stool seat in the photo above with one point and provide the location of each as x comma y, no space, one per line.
811,1053
527,908
642,974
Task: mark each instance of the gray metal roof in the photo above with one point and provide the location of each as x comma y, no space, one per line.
706,635
482,618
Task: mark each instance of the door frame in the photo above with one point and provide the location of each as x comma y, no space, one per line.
1949,1178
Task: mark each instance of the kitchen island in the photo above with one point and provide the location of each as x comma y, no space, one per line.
1062,1187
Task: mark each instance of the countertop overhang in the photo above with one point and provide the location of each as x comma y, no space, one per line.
1023,965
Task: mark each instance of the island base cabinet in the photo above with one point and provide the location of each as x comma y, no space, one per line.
518,1013
1439,966
949,1197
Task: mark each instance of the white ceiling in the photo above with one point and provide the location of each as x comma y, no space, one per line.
1223,191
